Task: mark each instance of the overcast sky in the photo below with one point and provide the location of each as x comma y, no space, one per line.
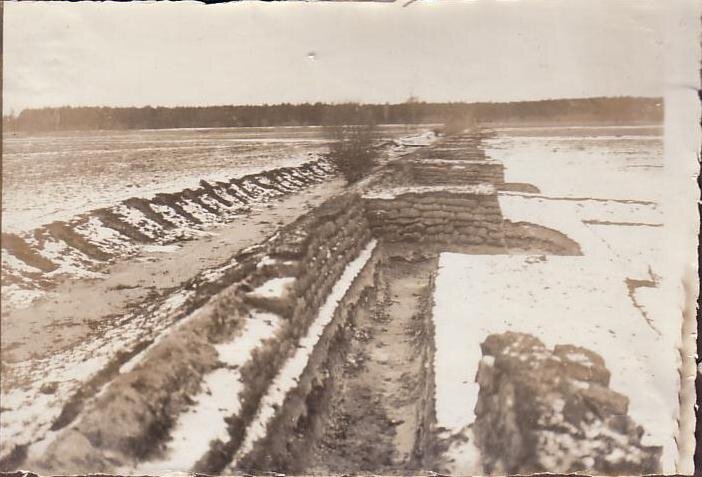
182,53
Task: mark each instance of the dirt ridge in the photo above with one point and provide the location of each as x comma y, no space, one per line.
62,249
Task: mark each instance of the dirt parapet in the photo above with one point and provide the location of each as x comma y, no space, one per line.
19,248
65,232
542,410
115,222
144,206
84,243
212,192
196,197
534,238
173,201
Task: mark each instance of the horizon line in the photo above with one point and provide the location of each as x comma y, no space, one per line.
334,103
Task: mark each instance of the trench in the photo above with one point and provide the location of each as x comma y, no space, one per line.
369,404
355,338
365,401
382,388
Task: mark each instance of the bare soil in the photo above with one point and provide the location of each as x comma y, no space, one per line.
75,309
370,422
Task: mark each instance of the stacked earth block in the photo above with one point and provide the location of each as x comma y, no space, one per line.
542,410
448,195
309,255
288,277
466,215
458,160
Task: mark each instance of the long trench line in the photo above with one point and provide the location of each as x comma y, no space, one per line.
376,402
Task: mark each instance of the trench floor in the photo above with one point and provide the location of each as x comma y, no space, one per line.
373,410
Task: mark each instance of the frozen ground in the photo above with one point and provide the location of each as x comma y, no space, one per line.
618,299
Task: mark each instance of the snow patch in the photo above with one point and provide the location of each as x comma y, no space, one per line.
20,297
160,248
274,288
394,192
205,421
562,300
11,262
258,327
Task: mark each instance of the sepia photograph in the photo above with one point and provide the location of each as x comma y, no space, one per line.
410,237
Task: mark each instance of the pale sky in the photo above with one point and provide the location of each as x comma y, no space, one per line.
182,53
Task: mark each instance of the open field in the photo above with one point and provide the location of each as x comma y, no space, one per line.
56,176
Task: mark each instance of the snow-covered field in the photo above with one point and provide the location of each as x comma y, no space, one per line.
617,299
57,176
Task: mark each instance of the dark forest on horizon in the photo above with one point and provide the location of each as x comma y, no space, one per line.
587,110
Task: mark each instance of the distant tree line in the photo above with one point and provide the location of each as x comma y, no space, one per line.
619,109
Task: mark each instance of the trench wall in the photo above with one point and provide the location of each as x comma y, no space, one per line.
425,444
297,422
456,172
437,217
129,420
